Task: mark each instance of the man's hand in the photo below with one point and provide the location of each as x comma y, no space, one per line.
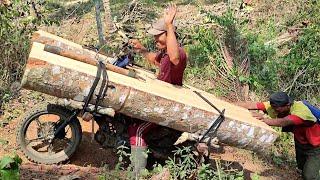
257,115
136,44
260,117
170,14
139,48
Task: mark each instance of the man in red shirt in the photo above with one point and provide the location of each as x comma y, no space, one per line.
297,118
172,60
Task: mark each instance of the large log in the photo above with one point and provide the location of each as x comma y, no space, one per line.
150,100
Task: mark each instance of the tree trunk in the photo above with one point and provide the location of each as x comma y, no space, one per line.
99,23
107,17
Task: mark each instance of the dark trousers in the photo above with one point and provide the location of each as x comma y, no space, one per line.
308,160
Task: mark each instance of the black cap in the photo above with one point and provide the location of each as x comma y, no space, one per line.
279,99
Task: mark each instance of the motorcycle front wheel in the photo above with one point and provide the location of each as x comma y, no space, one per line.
35,134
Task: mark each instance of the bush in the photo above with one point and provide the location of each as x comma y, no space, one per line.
9,167
296,72
16,26
219,55
182,165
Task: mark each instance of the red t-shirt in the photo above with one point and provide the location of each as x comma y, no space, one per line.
305,129
169,72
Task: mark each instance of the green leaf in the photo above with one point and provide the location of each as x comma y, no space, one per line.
17,159
9,174
6,162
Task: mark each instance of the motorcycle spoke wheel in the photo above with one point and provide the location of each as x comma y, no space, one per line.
36,138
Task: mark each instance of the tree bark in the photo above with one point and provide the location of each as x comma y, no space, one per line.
99,23
107,17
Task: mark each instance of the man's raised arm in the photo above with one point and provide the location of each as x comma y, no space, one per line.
172,43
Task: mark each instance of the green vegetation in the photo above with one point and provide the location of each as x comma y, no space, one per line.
9,167
18,22
292,67
220,56
15,29
182,165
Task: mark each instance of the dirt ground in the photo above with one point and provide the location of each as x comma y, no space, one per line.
87,162
90,158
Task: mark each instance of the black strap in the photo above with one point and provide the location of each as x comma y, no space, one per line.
103,88
104,85
216,124
214,127
93,88
207,101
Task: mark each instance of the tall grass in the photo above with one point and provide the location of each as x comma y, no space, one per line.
16,25
294,66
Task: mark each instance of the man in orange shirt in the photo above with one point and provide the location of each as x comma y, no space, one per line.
295,117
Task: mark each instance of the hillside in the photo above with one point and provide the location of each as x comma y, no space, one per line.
236,51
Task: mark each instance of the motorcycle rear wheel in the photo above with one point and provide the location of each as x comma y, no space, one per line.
41,123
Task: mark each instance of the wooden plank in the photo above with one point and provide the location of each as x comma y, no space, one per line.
86,57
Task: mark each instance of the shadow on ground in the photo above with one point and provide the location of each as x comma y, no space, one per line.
90,153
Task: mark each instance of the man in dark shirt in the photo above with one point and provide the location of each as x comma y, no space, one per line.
296,117
172,60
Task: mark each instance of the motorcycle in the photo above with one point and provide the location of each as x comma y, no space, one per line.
41,139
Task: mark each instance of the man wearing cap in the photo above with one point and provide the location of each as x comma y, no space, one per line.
171,60
294,117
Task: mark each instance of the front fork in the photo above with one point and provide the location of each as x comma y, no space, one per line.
65,123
